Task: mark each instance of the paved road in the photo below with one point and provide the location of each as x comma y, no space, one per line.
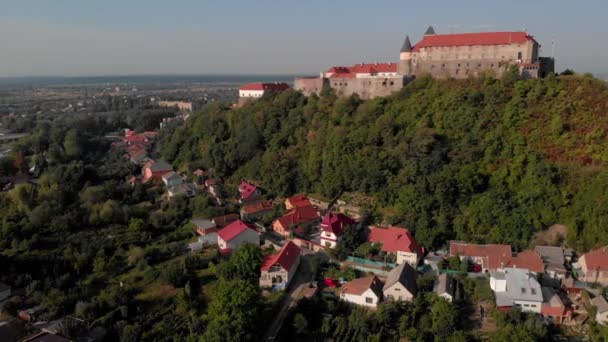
295,291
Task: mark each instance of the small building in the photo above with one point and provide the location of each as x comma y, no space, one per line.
592,267
601,306
363,291
234,235
252,91
5,291
397,241
206,230
400,284
333,227
554,261
255,211
529,260
224,220
489,257
516,287
297,201
444,287
155,170
278,269
248,192
293,218
554,307
172,178
184,189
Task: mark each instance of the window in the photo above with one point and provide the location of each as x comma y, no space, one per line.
392,83
459,65
369,300
523,290
526,305
443,66
457,71
533,291
397,289
519,55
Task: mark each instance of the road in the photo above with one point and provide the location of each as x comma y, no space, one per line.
295,291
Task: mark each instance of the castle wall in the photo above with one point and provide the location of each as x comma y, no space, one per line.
309,85
366,88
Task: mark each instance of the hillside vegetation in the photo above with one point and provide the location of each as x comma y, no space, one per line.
482,160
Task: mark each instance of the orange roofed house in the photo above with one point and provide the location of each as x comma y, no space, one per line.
293,218
278,269
256,210
296,201
495,257
593,266
363,291
155,170
398,241
236,234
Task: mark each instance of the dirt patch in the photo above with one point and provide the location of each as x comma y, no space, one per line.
552,236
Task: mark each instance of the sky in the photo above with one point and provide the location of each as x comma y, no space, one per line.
135,37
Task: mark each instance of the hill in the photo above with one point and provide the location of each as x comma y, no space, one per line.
484,160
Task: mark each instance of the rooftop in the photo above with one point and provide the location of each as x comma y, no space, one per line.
286,257
360,285
597,259
404,274
470,39
496,256
395,239
600,303
265,86
232,230
521,286
335,223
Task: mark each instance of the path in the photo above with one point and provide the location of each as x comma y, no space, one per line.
299,283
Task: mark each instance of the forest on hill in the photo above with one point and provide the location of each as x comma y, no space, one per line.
482,160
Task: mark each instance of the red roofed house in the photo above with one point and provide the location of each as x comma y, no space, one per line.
294,218
363,291
593,266
489,257
398,241
278,269
236,234
529,260
332,228
253,91
155,170
256,210
296,201
249,192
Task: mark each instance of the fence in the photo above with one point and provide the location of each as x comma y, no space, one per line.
371,262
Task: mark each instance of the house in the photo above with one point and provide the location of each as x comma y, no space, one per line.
554,261
445,287
5,291
155,170
234,235
554,307
279,269
363,291
172,178
248,192
601,305
254,211
332,228
296,201
184,189
293,218
529,260
206,230
593,266
400,284
516,287
224,220
489,257
397,241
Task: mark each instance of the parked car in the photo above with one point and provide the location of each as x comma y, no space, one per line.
331,282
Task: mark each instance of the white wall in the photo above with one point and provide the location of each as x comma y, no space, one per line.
248,235
360,300
410,258
208,239
527,306
251,93
498,285
328,237
398,292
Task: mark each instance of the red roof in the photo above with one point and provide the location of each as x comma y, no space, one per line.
298,216
257,207
497,256
336,223
395,239
467,39
232,230
298,201
265,86
224,220
363,68
597,259
246,189
527,259
286,257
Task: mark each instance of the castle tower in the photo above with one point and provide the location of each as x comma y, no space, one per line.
405,58
429,31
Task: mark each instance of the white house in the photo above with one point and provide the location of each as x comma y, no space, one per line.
278,269
236,234
517,287
333,227
363,291
401,283
601,315
256,90
5,291
397,241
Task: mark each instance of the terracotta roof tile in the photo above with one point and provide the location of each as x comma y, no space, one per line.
360,285
232,230
395,239
286,257
335,223
479,38
496,256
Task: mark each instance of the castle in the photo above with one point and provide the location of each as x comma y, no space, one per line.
458,55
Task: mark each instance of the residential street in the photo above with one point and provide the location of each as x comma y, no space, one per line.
300,282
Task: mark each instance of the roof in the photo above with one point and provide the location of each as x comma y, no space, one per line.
429,30
362,68
257,207
496,256
232,230
597,259
158,166
407,45
298,201
211,182
521,286
551,255
335,223
286,257
404,274
444,284
469,39
276,86
246,189
171,175
551,298
527,259
600,303
202,223
360,285
395,239
223,220
298,216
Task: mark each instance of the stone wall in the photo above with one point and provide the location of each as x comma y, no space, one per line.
366,88
309,85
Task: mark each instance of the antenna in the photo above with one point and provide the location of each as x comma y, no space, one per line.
553,45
